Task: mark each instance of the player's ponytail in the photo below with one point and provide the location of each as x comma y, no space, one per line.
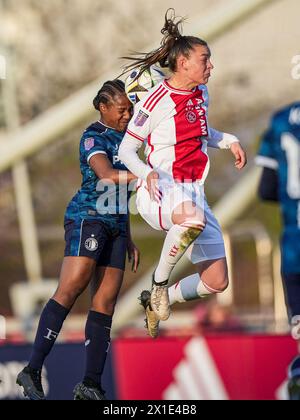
173,44
172,33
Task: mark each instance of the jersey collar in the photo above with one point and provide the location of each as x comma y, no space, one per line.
106,126
180,91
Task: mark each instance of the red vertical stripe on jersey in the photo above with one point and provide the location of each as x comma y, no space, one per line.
190,161
152,97
160,219
159,98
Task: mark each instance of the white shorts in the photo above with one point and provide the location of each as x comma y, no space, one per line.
210,244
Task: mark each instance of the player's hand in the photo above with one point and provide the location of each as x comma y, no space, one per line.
239,154
133,255
153,188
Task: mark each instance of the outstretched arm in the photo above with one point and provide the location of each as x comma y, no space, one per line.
220,140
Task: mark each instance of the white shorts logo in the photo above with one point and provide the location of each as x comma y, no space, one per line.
91,244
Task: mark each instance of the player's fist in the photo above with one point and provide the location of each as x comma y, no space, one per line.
239,154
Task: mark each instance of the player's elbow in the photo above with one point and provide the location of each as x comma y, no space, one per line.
108,178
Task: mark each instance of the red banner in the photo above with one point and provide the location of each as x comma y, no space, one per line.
203,368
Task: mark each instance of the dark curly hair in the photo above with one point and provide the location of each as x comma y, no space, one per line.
108,92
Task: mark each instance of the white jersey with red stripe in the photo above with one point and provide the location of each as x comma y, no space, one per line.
173,125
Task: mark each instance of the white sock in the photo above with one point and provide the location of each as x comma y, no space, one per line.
189,288
175,295
177,241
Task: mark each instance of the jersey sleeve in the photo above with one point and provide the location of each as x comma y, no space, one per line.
266,156
139,125
92,144
220,140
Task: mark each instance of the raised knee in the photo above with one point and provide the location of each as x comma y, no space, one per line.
197,225
192,230
221,284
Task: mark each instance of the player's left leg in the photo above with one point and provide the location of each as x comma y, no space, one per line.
196,286
211,278
105,288
207,253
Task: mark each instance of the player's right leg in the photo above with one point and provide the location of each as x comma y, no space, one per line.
188,223
208,256
77,268
105,289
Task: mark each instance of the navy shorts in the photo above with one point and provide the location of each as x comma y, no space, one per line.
93,239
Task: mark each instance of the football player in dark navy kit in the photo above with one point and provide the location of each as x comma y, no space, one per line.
279,155
97,238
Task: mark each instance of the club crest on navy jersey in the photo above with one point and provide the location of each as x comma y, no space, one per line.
91,244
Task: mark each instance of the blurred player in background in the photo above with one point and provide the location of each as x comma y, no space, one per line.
172,121
279,155
97,238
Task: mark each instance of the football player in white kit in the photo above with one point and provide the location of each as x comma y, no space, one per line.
172,123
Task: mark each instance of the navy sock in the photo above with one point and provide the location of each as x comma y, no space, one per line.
50,324
97,333
294,368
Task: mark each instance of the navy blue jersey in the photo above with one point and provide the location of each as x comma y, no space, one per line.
280,151
96,200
